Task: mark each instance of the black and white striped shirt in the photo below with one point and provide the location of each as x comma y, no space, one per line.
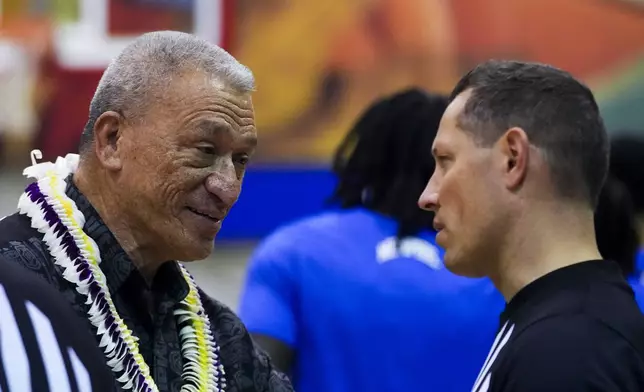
43,344
577,329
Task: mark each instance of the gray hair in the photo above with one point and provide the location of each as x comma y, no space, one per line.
147,65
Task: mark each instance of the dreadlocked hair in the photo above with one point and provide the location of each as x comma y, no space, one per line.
384,162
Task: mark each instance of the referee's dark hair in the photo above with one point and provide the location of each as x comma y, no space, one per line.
384,163
615,226
558,113
627,164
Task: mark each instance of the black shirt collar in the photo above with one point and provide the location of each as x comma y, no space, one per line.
576,276
116,264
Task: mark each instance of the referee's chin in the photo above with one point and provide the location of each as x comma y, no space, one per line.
462,266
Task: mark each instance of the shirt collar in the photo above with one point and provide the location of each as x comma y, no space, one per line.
116,264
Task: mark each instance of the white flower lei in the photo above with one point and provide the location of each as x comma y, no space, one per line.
55,215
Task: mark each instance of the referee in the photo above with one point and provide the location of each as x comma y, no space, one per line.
521,156
43,344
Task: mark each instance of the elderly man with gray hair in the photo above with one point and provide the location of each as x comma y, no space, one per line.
171,129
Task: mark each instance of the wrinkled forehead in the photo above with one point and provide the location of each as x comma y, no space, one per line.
189,95
201,108
199,86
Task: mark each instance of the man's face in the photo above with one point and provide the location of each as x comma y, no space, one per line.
183,165
464,192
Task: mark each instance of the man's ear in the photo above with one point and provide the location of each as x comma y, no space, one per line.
515,148
107,133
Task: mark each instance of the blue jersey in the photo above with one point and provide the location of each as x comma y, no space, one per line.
365,315
637,279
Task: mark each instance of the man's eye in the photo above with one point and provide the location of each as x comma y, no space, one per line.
208,150
242,159
443,160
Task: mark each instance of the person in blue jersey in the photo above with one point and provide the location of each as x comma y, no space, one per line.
357,298
617,233
627,165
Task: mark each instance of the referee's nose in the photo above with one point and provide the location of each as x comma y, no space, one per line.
429,198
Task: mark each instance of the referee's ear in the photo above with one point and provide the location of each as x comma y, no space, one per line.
514,148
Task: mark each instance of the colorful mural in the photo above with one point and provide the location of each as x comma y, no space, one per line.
318,64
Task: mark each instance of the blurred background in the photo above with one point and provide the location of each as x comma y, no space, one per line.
317,65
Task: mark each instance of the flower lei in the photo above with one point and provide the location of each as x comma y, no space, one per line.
59,219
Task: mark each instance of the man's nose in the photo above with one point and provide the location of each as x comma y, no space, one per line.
429,198
224,184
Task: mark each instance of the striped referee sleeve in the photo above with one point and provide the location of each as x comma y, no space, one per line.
22,356
44,344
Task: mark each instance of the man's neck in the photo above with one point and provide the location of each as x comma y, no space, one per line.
544,244
93,187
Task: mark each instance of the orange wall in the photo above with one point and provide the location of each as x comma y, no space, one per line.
583,36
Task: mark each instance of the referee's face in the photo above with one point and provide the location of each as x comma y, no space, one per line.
464,194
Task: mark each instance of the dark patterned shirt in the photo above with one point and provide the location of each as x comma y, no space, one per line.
147,310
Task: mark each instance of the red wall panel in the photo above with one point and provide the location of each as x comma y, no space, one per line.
66,114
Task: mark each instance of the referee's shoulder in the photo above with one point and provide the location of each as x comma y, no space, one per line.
604,313
613,307
571,352
21,244
16,229
585,337
583,325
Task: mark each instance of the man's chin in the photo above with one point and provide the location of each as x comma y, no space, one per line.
201,250
461,267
